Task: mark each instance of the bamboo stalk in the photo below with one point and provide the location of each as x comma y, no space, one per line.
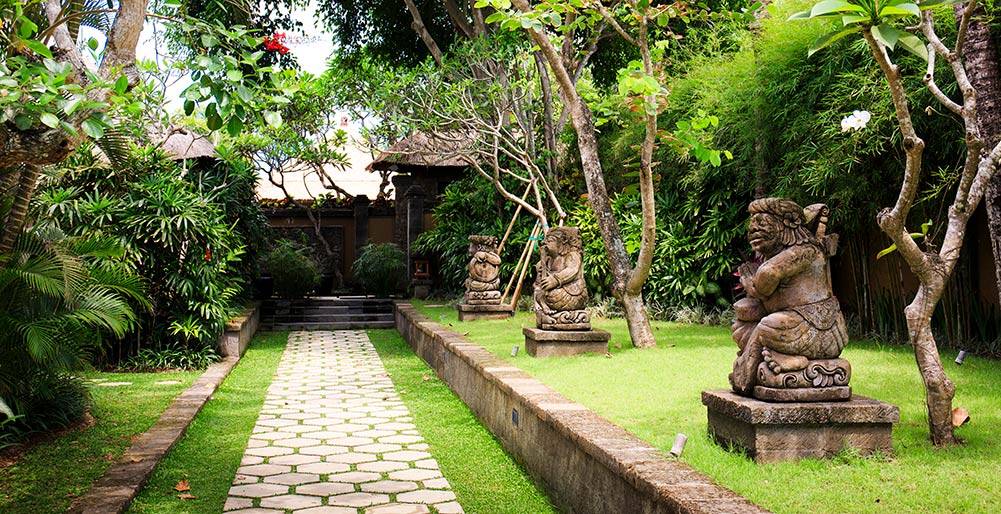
521,261
524,270
513,219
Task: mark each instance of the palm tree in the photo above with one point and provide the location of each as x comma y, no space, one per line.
62,296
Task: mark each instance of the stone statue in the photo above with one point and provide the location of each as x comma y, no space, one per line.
483,284
560,291
789,328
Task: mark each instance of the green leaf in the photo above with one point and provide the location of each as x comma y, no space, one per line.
234,75
234,126
213,121
203,61
93,128
49,119
827,39
904,9
925,226
208,40
122,85
832,8
244,93
496,16
273,118
886,251
886,34
22,121
189,107
931,4
912,44
38,48
72,105
27,28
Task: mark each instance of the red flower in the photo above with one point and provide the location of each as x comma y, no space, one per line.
208,254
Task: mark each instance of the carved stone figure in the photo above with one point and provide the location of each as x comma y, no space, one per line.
789,328
560,290
483,284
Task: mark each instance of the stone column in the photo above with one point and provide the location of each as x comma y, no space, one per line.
401,183
415,221
361,204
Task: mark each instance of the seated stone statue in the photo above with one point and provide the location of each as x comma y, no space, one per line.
560,290
789,328
483,284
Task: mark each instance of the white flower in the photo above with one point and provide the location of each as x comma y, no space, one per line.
857,120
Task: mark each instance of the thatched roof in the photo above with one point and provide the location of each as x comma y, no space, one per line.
185,144
423,150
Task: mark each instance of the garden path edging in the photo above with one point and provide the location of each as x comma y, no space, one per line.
115,490
587,464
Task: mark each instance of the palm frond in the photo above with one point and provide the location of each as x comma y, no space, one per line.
116,143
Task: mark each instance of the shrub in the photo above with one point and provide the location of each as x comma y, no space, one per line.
380,268
292,268
172,358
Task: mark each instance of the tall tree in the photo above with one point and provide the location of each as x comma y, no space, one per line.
879,25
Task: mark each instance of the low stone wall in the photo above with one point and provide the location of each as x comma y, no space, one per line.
587,464
239,331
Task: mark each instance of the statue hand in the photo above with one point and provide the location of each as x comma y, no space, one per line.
548,282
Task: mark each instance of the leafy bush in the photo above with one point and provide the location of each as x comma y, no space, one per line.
178,234
380,268
172,358
292,268
62,297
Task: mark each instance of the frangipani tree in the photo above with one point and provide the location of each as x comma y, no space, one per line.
883,27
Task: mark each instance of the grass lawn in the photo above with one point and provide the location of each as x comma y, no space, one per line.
484,478
655,394
209,453
52,473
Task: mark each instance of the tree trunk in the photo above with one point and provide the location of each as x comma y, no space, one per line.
984,70
939,390
19,209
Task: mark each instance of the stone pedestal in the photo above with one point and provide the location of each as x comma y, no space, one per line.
471,312
552,343
775,432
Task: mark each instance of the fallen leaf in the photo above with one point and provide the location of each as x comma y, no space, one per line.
182,486
186,496
466,333
403,392
960,416
617,345
669,346
426,378
608,356
136,459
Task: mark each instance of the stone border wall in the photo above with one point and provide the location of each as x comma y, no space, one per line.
239,331
113,492
587,464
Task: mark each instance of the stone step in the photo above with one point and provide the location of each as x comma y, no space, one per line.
312,317
327,326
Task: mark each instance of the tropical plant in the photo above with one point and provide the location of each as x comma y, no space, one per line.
64,296
292,267
173,357
380,268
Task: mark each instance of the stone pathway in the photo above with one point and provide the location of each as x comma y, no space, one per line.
334,438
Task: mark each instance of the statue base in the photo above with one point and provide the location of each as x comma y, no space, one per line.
811,394
473,312
553,343
777,432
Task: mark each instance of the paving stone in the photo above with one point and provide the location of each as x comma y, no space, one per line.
351,441
297,442
257,490
324,468
382,466
323,450
238,503
427,464
437,483
325,488
326,509
351,458
291,501
294,460
355,477
400,439
257,511
388,486
399,508
406,455
250,460
378,448
245,479
269,451
358,499
292,478
426,496
263,469
415,474
449,508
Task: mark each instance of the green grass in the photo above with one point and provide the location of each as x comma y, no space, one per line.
655,394
54,472
211,450
484,478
